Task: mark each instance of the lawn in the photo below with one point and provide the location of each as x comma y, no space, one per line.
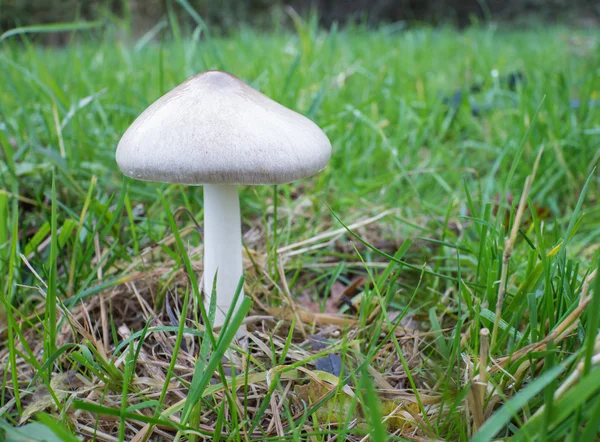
444,260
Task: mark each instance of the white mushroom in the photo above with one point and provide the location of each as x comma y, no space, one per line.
215,130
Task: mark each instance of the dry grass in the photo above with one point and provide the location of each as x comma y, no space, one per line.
152,294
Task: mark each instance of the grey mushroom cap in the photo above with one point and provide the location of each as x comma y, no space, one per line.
215,129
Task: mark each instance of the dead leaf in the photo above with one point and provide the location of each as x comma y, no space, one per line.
407,322
332,305
308,317
542,212
63,384
339,295
399,416
306,301
342,294
332,363
334,410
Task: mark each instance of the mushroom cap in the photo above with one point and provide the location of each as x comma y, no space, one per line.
215,129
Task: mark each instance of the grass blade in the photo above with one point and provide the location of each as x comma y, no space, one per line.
51,27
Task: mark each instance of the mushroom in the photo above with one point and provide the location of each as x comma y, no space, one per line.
214,130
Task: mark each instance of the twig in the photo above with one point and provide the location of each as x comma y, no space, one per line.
103,314
576,374
573,377
481,382
559,333
509,245
484,347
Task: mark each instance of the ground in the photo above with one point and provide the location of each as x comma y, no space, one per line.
444,262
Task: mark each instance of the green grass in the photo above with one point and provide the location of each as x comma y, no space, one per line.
75,236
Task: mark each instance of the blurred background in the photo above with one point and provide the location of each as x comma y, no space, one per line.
224,15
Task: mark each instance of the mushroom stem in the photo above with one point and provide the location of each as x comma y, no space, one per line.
222,247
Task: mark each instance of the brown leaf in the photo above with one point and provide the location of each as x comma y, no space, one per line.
541,211
341,293
408,321
335,297
308,303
